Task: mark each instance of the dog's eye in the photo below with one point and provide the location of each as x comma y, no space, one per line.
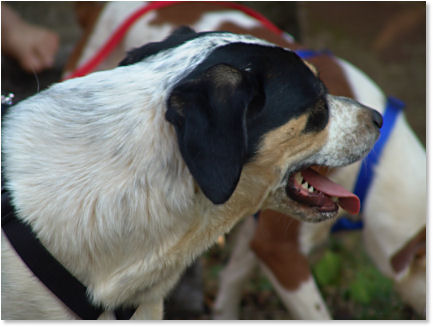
318,117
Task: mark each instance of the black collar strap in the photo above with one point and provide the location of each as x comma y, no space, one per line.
47,269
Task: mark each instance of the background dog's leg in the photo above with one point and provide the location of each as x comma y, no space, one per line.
276,243
304,303
234,275
149,311
412,288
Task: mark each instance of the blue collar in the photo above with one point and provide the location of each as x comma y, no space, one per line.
308,53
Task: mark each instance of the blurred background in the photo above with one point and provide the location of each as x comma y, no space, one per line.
387,40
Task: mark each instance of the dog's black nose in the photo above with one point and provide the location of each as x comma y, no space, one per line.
377,118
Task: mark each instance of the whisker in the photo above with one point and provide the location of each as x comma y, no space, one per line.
288,225
37,80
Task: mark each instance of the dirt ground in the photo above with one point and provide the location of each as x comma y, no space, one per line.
387,40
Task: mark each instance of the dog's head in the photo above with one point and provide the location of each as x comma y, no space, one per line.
251,115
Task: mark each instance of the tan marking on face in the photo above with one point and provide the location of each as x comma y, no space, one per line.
311,67
288,143
278,150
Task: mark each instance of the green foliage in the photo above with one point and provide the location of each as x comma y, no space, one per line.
368,285
264,284
327,270
214,271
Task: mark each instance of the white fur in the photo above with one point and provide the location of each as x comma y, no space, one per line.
347,136
105,173
210,21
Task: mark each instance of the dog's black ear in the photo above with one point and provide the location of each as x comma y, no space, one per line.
208,111
179,36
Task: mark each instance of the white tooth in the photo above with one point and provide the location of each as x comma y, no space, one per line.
305,185
298,178
311,189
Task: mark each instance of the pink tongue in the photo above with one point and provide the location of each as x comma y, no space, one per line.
347,200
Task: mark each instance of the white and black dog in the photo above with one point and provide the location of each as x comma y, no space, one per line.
126,175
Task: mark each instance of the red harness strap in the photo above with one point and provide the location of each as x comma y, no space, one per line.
120,32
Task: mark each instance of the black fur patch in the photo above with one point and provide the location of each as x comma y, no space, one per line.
178,37
319,115
208,112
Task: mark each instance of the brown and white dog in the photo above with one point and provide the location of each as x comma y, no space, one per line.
126,175
395,210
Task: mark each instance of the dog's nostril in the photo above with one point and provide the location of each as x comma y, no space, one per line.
377,118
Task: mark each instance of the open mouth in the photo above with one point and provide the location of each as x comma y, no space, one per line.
314,190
